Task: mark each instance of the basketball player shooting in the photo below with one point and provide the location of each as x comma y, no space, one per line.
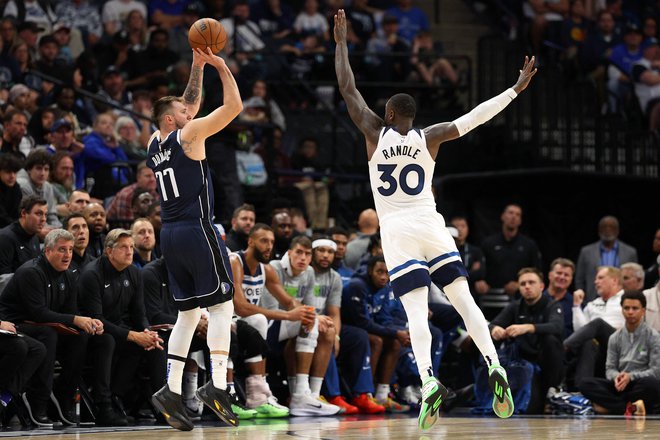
417,246
198,266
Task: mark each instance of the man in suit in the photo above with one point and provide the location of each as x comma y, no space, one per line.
608,251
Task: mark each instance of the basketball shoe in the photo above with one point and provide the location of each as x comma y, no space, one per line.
171,407
433,393
502,399
218,401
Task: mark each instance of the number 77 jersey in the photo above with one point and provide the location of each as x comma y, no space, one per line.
184,185
401,172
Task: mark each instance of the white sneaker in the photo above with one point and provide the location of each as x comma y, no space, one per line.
305,405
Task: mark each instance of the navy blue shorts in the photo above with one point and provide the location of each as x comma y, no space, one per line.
197,263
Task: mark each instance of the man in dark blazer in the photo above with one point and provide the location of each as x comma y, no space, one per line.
608,251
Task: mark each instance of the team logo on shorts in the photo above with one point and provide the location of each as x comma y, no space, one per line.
225,287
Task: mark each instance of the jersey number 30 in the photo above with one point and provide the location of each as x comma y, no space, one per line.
160,176
387,176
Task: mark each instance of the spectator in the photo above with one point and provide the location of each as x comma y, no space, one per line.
127,134
31,11
145,65
607,251
361,17
34,181
28,33
310,21
313,186
62,177
113,88
535,324
340,237
145,241
136,30
78,112
96,221
62,139
241,224
166,13
77,226
14,136
82,15
18,241
622,58
23,56
40,124
76,203
633,365
111,54
541,14
411,19
10,190
19,99
506,253
646,79
560,278
120,208
275,19
367,226
260,89
388,56
8,34
283,229
632,276
431,67
178,35
43,291
142,200
110,290
114,14
595,52
574,29
300,223
653,302
49,61
651,274
471,255
69,42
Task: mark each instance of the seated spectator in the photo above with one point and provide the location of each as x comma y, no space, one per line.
386,342
632,276
110,290
154,61
69,41
607,251
252,276
34,181
596,49
573,31
25,48
137,30
351,351
310,21
622,58
646,78
77,226
304,350
77,202
49,61
10,190
154,217
361,18
19,242
43,291
535,323
560,278
114,13
113,89
599,319
541,14
129,138
431,67
388,57
120,208
471,255
242,222
340,237
62,177
140,203
632,378
23,99
83,15
20,359
101,151
283,230
14,139
411,18
145,241
31,11
306,58
367,224
300,223
40,125
96,221
166,13
314,187
178,35
275,19
71,107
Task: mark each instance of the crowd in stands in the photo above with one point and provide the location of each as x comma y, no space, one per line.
317,329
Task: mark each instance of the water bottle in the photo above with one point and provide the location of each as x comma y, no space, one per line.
304,330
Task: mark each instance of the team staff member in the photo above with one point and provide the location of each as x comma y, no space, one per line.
42,291
77,226
19,241
110,289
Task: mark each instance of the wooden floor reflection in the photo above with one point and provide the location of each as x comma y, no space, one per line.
378,427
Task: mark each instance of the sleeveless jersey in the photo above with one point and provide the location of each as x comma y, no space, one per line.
253,284
184,185
401,173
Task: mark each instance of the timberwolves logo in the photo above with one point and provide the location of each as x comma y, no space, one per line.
225,287
126,283
62,286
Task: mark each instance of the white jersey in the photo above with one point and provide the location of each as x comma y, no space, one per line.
401,173
253,284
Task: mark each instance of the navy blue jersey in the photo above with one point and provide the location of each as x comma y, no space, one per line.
184,185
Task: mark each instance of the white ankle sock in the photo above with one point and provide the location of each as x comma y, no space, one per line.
315,384
302,384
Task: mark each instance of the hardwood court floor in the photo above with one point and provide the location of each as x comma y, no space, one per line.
403,427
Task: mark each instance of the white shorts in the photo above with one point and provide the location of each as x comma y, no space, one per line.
419,249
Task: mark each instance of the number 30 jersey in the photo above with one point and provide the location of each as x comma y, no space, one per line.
184,185
401,173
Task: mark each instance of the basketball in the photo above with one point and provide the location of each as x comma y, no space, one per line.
207,32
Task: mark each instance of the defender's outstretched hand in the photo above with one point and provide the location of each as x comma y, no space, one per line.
340,26
526,74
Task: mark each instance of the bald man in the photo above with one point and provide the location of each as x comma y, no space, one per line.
367,226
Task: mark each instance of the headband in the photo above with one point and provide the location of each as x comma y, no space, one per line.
324,242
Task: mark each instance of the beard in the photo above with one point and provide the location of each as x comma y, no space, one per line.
261,257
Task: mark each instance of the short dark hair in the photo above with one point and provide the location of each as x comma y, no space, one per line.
258,227
9,115
301,240
404,104
38,157
336,230
635,295
163,105
10,163
374,241
533,270
68,218
243,207
30,201
373,261
136,195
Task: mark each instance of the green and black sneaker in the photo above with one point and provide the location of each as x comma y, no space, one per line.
433,393
502,399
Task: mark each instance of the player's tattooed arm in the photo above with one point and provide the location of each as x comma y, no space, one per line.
193,93
187,144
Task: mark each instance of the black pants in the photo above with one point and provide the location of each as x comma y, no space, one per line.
589,344
550,358
71,351
602,392
20,358
129,358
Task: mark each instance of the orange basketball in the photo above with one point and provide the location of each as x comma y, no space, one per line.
207,32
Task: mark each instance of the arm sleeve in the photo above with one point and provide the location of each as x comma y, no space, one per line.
31,285
153,302
484,112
